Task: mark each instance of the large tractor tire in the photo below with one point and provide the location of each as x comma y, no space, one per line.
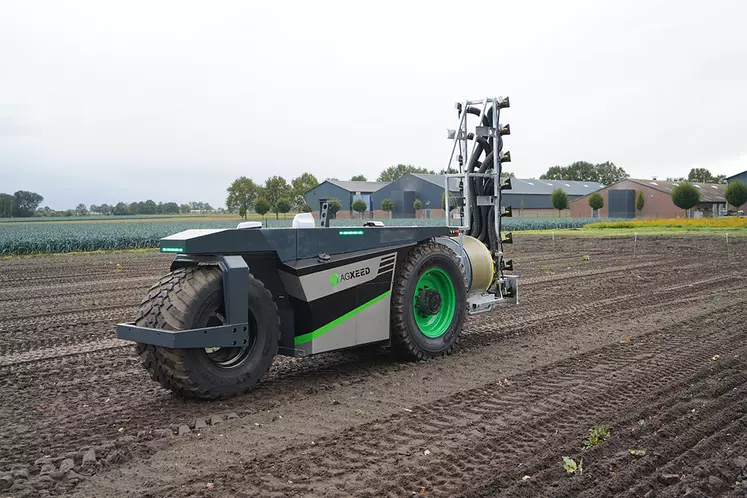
190,298
429,301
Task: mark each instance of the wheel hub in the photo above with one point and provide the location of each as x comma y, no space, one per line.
227,358
428,302
434,302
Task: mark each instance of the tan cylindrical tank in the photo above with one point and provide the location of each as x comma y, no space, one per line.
481,262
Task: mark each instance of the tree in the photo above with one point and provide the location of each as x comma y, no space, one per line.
306,208
149,207
120,209
359,205
508,174
25,203
451,200
242,194
262,206
105,209
417,204
388,206
578,171
448,171
736,193
334,206
6,205
170,208
81,210
358,178
608,173
701,175
596,201
282,206
185,208
300,186
685,196
559,199
94,208
393,173
276,188
132,208
719,179
639,202
678,179
605,173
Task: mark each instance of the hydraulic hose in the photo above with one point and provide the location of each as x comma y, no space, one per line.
482,220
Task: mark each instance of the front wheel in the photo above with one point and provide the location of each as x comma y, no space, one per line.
429,300
190,298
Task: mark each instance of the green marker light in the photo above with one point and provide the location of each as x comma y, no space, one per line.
172,249
350,232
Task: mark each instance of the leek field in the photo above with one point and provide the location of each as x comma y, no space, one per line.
45,236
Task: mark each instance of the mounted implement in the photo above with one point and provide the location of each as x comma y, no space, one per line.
235,298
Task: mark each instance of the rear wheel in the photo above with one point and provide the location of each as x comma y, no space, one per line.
428,302
191,298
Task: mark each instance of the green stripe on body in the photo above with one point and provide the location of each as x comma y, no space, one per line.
301,339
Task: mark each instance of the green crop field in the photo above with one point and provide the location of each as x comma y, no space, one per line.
133,233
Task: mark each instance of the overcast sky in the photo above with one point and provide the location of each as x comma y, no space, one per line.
122,101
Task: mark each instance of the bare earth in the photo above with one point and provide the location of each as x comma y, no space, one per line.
652,344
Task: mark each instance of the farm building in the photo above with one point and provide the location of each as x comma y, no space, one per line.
742,177
620,199
403,192
527,197
531,197
533,194
346,192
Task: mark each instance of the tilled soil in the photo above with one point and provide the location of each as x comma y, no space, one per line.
645,337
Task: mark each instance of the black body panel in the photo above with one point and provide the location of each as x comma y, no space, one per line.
291,244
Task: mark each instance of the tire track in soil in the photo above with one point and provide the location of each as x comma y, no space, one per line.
110,313
671,436
476,433
91,342
74,370
61,351
103,421
25,294
135,299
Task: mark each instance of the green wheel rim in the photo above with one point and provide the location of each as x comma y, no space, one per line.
436,325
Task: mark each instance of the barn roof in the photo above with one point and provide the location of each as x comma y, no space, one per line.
531,186
736,175
352,186
528,186
709,192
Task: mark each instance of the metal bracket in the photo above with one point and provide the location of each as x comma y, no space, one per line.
481,303
485,131
487,200
324,215
223,336
235,274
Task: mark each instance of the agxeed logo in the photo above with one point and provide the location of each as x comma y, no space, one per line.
335,278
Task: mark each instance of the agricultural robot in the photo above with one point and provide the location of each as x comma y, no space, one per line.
237,297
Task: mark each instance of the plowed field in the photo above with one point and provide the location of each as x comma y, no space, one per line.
650,340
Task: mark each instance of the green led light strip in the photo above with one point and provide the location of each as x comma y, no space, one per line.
172,249
350,232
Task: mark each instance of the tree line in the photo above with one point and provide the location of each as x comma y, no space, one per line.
24,204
